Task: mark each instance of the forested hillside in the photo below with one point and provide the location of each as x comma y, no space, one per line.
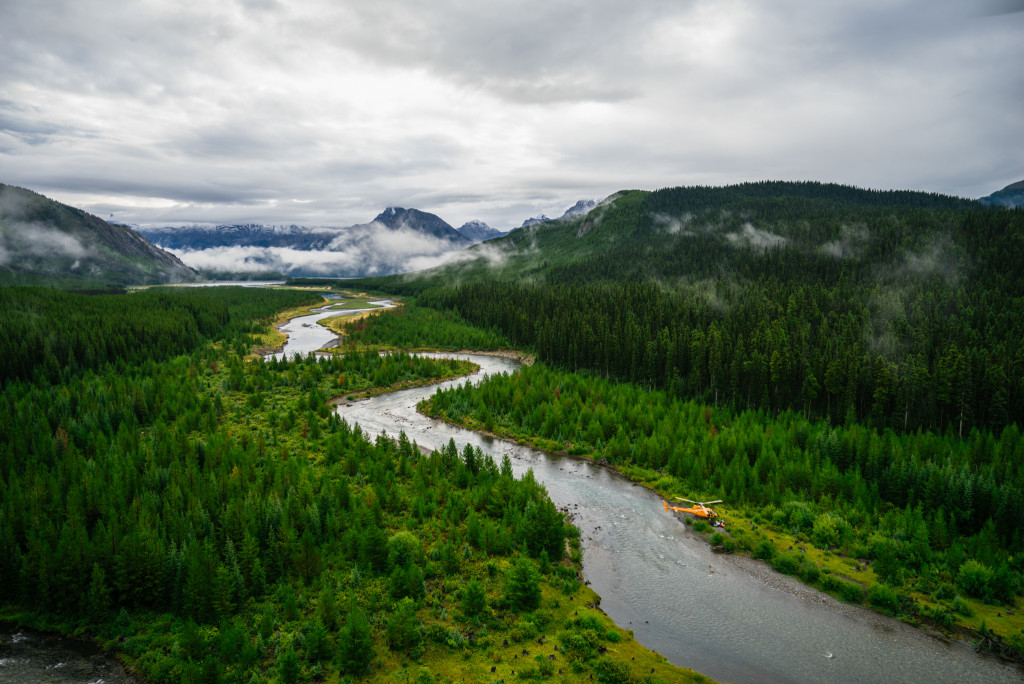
901,310
843,366
46,242
212,520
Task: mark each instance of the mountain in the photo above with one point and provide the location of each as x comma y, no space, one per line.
249,235
396,241
579,209
686,234
1010,196
817,298
42,241
535,220
478,231
421,222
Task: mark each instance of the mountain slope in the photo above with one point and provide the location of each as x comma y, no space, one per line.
903,309
686,234
42,241
1010,196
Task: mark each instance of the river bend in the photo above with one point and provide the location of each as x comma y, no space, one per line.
699,609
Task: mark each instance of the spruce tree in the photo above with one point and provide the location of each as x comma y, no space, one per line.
355,644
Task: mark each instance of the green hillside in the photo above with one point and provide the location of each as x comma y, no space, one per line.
843,367
900,309
43,242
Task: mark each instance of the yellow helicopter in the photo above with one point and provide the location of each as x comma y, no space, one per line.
699,508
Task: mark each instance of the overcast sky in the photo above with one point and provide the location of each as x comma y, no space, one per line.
325,112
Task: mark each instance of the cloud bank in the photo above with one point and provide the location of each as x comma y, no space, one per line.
363,250
320,112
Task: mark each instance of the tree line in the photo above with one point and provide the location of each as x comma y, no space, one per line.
932,513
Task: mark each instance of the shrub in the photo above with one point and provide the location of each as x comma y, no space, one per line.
851,593
699,526
974,578
809,572
522,630
576,645
885,598
943,617
717,538
765,549
962,607
786,563
614,672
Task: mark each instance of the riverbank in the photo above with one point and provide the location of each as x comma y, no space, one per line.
741,557
351,398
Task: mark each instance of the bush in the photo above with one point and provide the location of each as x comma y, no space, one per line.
786,563
962,607
765,550
830,583
577,645
885,598
700,526
614,672
809,572
851,593
943,617
974,578
522,630
717,538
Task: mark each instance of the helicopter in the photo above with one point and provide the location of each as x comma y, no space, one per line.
699,509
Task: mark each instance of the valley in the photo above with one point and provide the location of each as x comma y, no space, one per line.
836,364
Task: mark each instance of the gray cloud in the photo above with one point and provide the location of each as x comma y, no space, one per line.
324,112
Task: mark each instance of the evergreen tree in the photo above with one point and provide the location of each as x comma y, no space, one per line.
403,628
99,595
474,598
355,644
523,585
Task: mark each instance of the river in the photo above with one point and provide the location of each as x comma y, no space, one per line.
305,334
35,657
730,618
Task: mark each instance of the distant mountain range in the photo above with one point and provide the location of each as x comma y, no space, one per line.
1010,196
398,240
43,241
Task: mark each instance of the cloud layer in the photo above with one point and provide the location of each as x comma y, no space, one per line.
363,250
323,112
